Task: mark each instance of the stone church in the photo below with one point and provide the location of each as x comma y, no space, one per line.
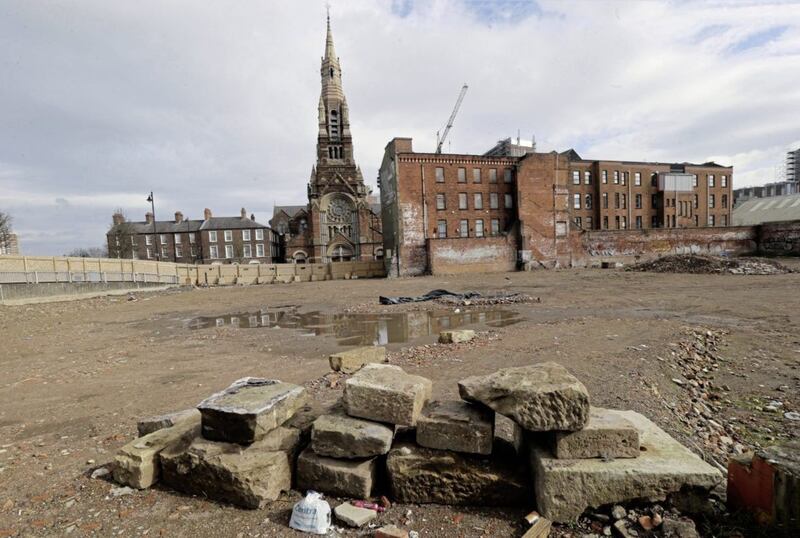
342,220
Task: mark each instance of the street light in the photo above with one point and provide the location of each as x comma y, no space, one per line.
155,235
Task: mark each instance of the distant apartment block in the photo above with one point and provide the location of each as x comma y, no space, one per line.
210,240
793,165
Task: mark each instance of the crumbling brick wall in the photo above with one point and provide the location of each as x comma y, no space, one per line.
779,238
472,255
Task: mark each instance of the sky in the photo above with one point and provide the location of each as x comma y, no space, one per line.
214,104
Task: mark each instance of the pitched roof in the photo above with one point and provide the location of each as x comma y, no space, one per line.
230,223
162,226
290,210
772,209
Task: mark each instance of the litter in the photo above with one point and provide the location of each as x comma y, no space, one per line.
311,514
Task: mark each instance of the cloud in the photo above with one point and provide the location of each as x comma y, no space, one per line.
214,104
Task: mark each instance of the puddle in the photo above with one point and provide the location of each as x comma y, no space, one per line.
361,329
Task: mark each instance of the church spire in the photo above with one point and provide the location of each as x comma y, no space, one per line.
330,51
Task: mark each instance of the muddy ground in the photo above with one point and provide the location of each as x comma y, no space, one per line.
77,375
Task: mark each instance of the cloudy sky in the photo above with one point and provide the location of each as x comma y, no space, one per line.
213,104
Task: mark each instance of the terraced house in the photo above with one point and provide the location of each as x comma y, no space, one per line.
210,240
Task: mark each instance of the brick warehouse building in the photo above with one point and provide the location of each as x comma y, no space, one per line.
496,212
340,223
211,240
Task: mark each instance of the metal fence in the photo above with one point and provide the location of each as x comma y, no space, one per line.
96,277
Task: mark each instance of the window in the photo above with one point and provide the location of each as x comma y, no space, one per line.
476,175
624,178
191,237
441,229
148,240
624,221
724,220
617,221
605,223
578,222
588,201
212,236
654,180
178,251
259,234
638,201
654,221
638,222
637,179
462,200
248,251
479,228
477,199
654,201
440,201
493,200
711,181
177,238
624,201
588,223
576,200
463,228
576,177
193,250
246,236
260,250
711,201
696,201
725,200
492,175
507,175
616,200
604,174
163,239
711,220
439,174
462,175
605,200
214,251
228,235
509,202
616,177
229,251
723,182
587,177
149,253
165,252
697,220
495,227
694,180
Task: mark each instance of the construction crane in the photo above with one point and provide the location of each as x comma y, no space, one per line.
440,140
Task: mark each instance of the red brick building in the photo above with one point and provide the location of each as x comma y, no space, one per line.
498,212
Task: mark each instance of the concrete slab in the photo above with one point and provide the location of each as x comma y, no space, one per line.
456,425
565,488
249,409
606,435
354,516
352,360
151,424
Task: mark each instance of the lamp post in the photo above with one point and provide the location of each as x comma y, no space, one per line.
155,235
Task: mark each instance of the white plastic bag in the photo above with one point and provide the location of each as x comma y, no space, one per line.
311,514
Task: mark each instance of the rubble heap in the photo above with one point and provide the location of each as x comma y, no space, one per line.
518,436
697,264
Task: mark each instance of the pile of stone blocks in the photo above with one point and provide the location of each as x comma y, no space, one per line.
581,456
345,453
237,447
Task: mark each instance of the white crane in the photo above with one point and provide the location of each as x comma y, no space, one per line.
440,140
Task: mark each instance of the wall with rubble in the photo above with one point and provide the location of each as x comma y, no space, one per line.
472,255
779,238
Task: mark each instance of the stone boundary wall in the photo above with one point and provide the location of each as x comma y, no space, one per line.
629,245
471,255
779,238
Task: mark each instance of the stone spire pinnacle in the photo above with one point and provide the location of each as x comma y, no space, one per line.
330,51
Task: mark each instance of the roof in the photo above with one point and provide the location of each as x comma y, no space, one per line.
772,209
170,226
290,210
230,223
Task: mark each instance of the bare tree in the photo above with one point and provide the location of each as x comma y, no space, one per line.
5,230
90,252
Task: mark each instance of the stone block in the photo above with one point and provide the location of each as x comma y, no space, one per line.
247,476
456,425
540,397
565,488
151,424
137,463
456,336
390,531
354,515
338,436
423,475
385,393
249,409
352,360
606,435
508,435
338,477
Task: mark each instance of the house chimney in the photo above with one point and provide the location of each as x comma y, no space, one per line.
244,213
178,217
206,213
148,217
118,218
253,217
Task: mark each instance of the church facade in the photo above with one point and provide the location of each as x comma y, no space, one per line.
342,220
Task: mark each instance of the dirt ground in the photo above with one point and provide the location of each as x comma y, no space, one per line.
77,375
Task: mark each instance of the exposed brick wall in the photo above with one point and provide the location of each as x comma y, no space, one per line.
472,255
779,238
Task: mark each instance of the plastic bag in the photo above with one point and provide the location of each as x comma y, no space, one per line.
311,514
